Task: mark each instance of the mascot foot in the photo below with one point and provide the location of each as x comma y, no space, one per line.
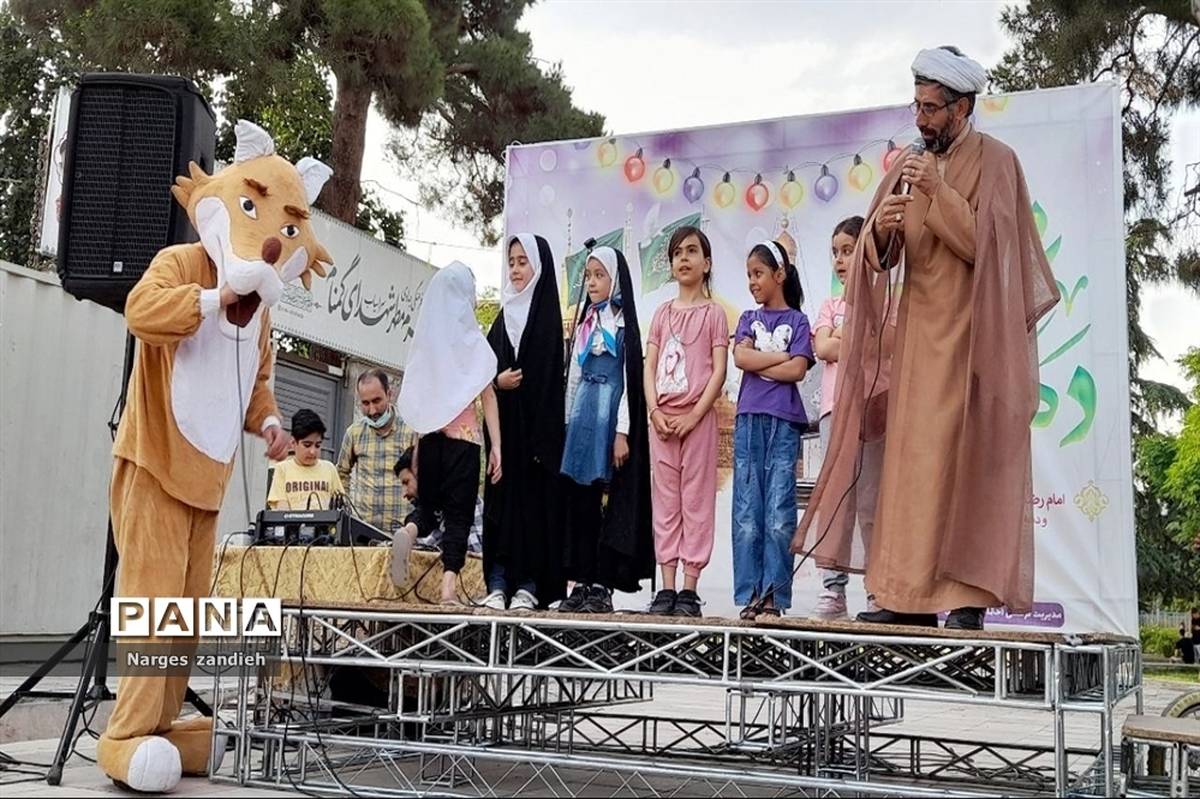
149,764
193,738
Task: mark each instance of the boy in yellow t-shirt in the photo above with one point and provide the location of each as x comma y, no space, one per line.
304,481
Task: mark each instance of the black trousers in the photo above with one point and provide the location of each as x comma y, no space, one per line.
448,483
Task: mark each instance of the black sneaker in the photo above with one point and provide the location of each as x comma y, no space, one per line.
599,600
687,604
664,603
575,602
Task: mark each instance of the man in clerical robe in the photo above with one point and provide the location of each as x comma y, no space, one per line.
938,383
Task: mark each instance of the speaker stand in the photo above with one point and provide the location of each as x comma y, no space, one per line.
93,634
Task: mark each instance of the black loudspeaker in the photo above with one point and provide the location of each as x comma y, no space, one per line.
129,137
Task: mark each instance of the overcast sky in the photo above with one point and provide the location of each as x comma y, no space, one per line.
744,60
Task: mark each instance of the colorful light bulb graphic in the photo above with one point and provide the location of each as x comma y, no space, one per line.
826,186
757,194
791,193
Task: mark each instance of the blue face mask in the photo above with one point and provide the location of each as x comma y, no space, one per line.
382,421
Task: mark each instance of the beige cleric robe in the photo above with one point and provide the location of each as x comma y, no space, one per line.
937,403
928,395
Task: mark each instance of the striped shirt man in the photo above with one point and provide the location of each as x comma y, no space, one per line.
365,465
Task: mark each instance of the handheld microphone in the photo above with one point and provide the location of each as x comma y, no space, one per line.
891,254
918,148
589,245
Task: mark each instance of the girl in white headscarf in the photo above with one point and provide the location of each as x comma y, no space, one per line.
608,545
522,515
451,368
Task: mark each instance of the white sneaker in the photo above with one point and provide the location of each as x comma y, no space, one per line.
831,606
494,601
523,600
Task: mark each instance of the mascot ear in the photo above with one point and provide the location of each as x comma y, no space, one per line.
252,142
314,174
183,188
316,266
321,257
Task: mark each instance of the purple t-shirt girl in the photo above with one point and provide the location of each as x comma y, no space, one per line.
784,330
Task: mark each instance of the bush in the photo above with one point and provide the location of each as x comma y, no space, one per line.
1159,640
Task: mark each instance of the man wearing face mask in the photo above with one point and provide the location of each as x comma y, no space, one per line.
941,376
370,450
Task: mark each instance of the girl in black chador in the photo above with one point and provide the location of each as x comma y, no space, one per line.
523,513
608,546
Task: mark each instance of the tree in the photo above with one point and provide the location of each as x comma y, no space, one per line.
1169,470
502,98
1152,49
309,70
48,45
423,61
293,101
27,90
1182,476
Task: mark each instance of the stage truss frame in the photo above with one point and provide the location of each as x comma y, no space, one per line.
544,704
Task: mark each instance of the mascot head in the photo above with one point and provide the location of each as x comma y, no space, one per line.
253,220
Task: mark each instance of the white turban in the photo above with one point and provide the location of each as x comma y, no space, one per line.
962,74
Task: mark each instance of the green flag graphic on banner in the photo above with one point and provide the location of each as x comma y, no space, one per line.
577,259
656,261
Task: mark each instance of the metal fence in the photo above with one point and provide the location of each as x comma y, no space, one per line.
1164,618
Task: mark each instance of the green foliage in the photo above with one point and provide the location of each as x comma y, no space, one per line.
503,97
1181,483
199,39
396,47
307,71
1167,472
379,220
487,308
292,101
1152,50
27,90
1158,640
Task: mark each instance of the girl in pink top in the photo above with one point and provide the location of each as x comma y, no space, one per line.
827,332
685,370
827,343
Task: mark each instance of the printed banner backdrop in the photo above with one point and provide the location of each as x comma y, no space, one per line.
792,180
52,170
366,306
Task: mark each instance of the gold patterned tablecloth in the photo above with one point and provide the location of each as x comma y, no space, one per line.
335,575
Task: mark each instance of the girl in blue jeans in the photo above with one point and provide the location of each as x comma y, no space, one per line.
773,349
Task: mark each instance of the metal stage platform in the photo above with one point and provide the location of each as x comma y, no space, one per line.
482,703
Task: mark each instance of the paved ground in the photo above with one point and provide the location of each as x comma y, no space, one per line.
921,718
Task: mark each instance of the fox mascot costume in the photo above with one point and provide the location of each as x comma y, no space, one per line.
202,377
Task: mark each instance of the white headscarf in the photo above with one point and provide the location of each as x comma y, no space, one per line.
451,361
516,304
962,74
601,316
